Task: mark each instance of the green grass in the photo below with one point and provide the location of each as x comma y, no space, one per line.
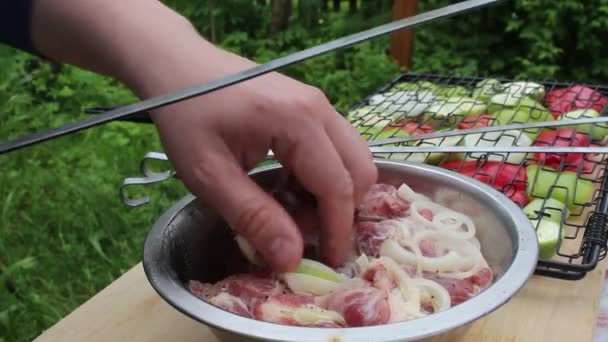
64,234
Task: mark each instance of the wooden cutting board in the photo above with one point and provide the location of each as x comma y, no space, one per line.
130,310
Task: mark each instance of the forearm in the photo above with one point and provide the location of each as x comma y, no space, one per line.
139,42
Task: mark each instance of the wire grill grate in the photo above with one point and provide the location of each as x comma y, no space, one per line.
421,103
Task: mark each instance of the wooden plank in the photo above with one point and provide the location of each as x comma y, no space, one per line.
402,41
130,310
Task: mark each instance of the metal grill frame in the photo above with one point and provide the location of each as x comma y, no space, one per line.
594,242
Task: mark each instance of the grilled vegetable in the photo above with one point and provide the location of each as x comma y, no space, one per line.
564,186
451,91
375,126
506,138
549,208
403,103
565,100
435,157
507,178
532,90
475,121
535,110
484,90
416,86
452,110
549,234
563,137
414,128
598,131
513,116
360,113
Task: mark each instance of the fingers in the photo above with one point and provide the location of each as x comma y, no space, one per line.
249,210
310,154
354,152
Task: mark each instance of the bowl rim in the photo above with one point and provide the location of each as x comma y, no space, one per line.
513,279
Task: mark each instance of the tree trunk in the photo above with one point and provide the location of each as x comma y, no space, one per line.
402,42
352,6
308,13
370,8
281,11
325,4
213,28
337,5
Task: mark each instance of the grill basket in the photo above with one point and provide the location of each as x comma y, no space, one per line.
418,103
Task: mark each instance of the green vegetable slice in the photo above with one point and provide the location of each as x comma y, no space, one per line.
549,208
435,157
484,90
549,234
503,139
564,186
597,131
535,110
317,269
530,89
452,110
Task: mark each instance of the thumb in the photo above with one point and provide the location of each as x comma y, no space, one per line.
252,213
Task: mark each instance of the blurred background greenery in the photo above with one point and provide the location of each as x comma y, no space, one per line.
64,235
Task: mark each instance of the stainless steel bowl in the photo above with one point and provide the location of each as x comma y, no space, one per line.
190,241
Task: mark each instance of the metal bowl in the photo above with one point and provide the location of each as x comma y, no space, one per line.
190,241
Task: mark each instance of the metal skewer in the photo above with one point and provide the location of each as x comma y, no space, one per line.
487,149
517,126
151,177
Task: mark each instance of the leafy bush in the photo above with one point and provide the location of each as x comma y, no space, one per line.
540,39
64,235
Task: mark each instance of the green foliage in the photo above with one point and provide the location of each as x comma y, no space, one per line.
539,39
64,235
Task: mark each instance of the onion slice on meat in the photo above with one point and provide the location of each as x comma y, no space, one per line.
452,221
306,284
419,259
433,292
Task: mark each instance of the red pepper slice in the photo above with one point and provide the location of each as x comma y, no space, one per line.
564,100
414,128
475,121
563,138
510,179
411,127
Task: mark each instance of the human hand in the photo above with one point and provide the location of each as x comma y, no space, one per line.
213,140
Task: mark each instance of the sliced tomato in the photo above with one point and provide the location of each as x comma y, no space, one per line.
564,100
510,179
475,121
563,138
415,128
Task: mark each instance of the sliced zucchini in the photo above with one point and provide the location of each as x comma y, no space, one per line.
484,90
506,138
452,110
532,90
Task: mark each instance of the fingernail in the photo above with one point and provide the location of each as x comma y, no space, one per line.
278,245
281,250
